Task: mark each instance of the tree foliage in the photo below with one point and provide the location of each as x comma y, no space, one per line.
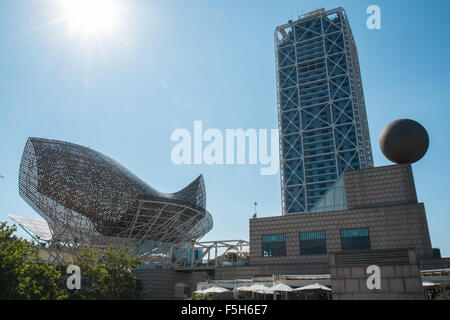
22,275
107,274
443,291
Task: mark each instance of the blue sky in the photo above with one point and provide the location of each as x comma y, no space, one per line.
172,62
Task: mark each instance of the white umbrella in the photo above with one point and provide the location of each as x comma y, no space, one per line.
253,288
315,286
429,284
212,290
236,251
256,288
281,287
265,291
243,288
216,290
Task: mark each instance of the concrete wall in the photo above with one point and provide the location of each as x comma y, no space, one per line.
247,272
382,199
380,187
400,280
389,227
167,284
436,263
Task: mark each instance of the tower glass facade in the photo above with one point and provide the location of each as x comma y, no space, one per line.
321,110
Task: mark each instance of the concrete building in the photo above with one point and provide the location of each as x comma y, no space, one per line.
382,223
321,110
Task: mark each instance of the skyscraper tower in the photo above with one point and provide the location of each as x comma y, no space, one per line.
321,110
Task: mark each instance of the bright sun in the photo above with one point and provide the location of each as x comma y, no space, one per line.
91,17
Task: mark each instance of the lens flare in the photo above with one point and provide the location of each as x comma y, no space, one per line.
89,17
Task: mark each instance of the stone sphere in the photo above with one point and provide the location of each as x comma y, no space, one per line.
404,141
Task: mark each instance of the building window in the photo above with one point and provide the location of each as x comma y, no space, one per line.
313,243
186,292
274,245
355,239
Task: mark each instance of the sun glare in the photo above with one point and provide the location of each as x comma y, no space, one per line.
91,17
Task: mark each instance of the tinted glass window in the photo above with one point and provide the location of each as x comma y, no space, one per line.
313,243
274,245
355,239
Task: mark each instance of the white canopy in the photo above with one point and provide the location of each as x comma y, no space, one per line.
265,291
212,290
38,227
281,287
315,286
253,288
236,251
429,284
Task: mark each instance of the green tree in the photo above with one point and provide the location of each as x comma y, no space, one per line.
107,274
443,291
22,274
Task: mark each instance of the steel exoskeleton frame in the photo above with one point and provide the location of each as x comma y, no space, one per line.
321,110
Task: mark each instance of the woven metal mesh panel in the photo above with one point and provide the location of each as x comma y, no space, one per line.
89,197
